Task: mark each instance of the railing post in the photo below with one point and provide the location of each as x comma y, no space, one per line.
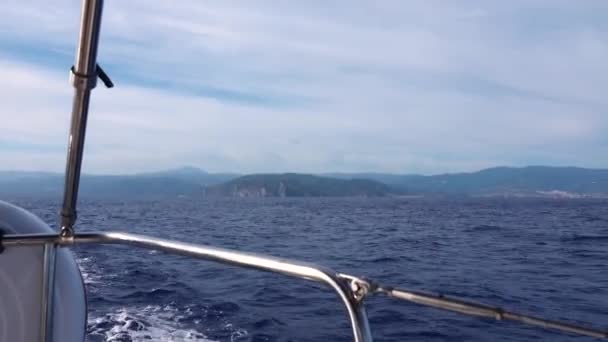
84,78
362,322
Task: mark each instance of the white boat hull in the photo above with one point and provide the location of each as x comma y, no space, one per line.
22,282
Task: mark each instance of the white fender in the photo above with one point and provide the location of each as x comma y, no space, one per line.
21,279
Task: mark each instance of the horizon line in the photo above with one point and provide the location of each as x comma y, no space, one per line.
323,173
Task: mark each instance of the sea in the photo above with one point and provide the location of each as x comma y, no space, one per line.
545,257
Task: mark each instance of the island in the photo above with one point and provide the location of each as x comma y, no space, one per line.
298,185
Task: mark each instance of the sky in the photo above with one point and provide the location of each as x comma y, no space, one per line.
311,86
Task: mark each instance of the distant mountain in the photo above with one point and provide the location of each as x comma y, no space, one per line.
187,182
137,187
298,185
524,181
191,174
101,186
30,183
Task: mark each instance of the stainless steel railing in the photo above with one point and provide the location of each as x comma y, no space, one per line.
350,289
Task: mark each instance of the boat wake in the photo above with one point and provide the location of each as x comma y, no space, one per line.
89,275
133,322
150,323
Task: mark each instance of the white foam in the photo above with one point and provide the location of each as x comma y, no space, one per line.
237,334
150,323
90,274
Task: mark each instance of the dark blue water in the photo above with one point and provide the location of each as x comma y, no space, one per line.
546,257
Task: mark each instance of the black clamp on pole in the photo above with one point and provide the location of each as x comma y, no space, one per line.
104,77
90,81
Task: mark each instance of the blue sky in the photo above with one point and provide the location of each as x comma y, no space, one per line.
312,86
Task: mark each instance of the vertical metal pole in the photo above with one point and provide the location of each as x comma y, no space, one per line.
354,302
365,333
48,287
84,78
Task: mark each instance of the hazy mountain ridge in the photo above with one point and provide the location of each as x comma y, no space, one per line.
191,174
192,182
530,180
186,181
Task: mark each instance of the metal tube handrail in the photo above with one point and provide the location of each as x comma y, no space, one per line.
303,270
351,290
440,301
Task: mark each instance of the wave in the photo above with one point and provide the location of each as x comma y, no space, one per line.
589,218
583,238
152,294
483,228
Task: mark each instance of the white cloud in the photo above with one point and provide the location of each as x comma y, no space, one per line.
316,86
